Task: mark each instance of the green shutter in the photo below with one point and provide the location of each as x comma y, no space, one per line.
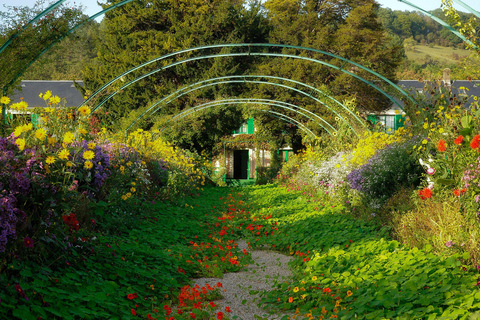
34,120
250,126
399,121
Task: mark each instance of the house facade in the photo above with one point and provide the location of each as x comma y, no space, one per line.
241,162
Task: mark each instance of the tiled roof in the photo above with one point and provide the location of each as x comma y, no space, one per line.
62,88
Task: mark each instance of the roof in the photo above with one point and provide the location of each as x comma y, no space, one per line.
30,90
470,88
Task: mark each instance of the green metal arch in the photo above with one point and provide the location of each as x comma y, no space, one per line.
466,6
230,55
179,92
41,14
277,103
249,46
313,89
65,35
244,76
279,115
443,23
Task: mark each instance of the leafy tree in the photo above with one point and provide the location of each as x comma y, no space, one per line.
28,41
143,30
65,60
349,29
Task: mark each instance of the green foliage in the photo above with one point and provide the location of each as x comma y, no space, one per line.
36,37
350,268
142,30
468,28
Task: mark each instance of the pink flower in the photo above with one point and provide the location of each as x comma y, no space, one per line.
430,171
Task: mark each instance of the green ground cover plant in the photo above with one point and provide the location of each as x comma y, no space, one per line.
134,274
348,268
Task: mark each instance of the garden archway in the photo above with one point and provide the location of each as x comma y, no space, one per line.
215,103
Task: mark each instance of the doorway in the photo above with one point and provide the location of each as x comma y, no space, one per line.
240,164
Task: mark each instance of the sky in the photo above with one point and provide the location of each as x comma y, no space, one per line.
92,7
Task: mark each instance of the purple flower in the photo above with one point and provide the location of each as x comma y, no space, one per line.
449,244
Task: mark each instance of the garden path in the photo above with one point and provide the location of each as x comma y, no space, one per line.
268,267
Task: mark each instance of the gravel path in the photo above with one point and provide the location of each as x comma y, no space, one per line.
238,284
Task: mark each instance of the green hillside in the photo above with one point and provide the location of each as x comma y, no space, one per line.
444,55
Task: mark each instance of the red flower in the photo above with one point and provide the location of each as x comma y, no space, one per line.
27,242
458,141
327,290
132,296
475,143
20,291
220,315
458,193
192,315
133,312
227,309
219,284
290,299
441,146
425,193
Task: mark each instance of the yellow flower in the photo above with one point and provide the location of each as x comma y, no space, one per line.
337,304
82,131
5,100
41,134
129,194
68,137
314,278
20,143
303,296
88,155
18,131
133,189
129,163
133,183
63,154
49,110
22,105
47,95
55,100
440,130
27,127
50,160
424,141
85,110
124,197
349,293
69,164
88,165
295,289
91,145
425,125
52,140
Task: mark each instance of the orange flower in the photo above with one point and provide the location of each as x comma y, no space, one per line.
425,193
290,299
441,146
458,141
475,142
458,193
